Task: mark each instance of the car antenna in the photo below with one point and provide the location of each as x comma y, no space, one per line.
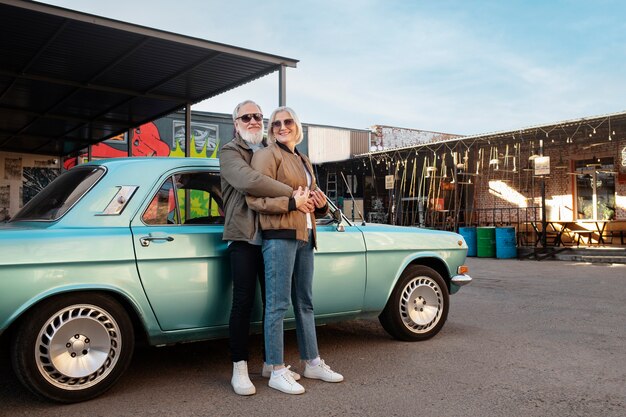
352,198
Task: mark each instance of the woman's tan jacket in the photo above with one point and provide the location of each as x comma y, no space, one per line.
278,162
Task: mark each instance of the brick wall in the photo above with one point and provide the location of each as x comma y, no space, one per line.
497,187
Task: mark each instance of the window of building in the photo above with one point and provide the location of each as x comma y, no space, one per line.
595,189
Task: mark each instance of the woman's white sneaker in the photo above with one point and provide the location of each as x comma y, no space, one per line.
267,371
321,371
241,381
283,381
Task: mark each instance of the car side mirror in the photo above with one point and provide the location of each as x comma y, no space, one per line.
337,215
337,218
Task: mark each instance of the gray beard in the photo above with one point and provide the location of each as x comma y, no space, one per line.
253,138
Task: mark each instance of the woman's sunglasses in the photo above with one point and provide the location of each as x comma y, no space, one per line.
278,123
258,117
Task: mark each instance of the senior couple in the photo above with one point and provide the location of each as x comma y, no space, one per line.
271,201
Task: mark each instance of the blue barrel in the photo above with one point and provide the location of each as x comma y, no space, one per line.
486,242
469,234
505,243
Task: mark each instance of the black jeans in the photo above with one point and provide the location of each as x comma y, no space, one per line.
246,265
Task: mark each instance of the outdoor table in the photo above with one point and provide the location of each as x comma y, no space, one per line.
578,228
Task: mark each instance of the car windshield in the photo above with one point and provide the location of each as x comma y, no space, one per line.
62,193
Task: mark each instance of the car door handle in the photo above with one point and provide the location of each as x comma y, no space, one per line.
145,241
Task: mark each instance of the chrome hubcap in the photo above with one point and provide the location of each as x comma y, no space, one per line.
78,347
421,304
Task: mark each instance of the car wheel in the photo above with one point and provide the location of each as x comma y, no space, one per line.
73,347
418,306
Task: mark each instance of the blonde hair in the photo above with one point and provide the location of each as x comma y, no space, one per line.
294,116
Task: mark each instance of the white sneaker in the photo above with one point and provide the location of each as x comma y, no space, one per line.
284,382
267,371
241,381
321,371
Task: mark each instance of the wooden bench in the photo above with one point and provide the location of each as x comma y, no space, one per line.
616,228
531,233
577,232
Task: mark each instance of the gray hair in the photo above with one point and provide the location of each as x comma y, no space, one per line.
294,116
240,105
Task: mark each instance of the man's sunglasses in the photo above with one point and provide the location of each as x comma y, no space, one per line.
258,117
278,123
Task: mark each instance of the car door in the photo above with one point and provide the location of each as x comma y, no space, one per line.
180,253
340,268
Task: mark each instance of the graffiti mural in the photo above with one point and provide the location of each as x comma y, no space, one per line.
147,140
5,195
12,168
204,138
35,179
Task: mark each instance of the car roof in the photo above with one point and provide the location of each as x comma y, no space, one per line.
161,163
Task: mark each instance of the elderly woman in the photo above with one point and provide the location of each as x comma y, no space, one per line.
288,243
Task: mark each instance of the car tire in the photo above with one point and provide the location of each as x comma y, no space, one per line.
418,306
73,347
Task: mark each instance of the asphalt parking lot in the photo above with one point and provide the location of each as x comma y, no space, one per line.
526,338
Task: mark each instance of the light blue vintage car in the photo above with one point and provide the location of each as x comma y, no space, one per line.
124,249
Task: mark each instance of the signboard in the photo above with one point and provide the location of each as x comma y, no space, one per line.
542,165
389,182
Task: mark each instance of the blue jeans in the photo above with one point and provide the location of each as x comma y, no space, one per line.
289,272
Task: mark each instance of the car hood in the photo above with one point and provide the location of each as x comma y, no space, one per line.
386,237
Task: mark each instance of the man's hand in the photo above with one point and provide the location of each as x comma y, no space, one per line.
319,198
303,202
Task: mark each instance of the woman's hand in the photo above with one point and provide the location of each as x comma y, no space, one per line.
319,198
303,201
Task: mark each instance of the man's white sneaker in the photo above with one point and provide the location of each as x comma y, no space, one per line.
267,372
321,371
284,382
241,381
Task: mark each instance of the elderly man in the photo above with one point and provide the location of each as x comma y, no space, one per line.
242,232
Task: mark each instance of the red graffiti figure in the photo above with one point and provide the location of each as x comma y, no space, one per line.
146,141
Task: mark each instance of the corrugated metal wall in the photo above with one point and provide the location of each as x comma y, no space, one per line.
328,144
359,142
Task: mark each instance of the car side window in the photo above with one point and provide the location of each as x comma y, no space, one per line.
162,208
189,198
65,191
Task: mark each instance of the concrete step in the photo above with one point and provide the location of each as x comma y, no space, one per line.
587,254
590,258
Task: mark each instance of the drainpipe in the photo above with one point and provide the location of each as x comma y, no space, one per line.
544,223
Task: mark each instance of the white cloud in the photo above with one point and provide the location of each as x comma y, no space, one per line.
443,66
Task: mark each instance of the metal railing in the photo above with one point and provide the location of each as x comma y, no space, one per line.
526,220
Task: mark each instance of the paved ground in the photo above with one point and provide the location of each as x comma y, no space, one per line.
526,338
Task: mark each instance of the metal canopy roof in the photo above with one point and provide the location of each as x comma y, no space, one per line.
590,130
70,79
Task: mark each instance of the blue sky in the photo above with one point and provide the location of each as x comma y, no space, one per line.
464,67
